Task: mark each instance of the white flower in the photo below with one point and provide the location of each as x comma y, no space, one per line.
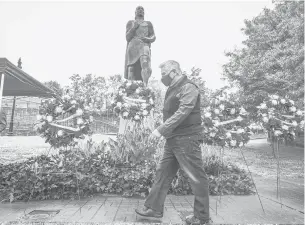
274,96
299,113
128,84
240,131
207,115
119,104
136,117
212,134
73,102
242,111
277,133
125,105
293,109
151,101
233,143
98,99
222,107
91,119
292,102
58,109
216,111
60,133
79,112
216,101
49,119
285,127
143,105
66,97
302,123
274,102
232,111
265,119
263,106
44,117
294,123
292,133
87,108
283,101
228,135
39,117
125,114
79,121
138,91
216,123
145,112
221,98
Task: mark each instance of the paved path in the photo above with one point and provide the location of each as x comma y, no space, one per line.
231,209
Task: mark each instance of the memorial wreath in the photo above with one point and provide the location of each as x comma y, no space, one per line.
133,101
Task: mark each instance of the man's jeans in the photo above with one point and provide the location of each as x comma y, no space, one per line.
185,152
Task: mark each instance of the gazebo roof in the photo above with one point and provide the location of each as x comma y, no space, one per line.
19,83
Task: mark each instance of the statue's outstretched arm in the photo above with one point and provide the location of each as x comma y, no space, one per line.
130,30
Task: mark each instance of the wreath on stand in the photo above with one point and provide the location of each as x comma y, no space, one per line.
282,120
226,124
62,121
133,101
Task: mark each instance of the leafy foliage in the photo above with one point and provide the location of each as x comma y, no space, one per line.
55,86
74,172
272,59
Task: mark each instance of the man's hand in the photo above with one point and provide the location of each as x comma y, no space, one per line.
155,135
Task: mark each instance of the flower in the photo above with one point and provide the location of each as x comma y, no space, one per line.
292,133
240,144
73,102
207,115
293,109
143,105
119,104
274,102
285,127
240,130
228,135
58,110
87,108
232,111
263,106
274,96
222,107
98,99
291,102
299,113
125,114
39,117
302,123
79,112
216,111
125,105
66,97
233,143
91,119
283,101
151,101
212,134
60,133
242,111
138,91
265,119
277,133
136,117
221,98
79,121
294,123
49,119
145,112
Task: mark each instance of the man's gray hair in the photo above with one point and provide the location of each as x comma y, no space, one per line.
170,65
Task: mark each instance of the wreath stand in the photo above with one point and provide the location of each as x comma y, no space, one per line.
222,162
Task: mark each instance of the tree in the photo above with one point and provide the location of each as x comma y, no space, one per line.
55,86
272,59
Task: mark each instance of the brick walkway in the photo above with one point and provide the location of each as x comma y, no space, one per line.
115,209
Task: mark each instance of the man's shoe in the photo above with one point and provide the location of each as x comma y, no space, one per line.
192,220
147,212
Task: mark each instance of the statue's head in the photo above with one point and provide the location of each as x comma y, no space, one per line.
139,11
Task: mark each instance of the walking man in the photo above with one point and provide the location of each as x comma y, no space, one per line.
181,129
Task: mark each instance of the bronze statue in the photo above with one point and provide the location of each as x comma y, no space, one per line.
139,35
